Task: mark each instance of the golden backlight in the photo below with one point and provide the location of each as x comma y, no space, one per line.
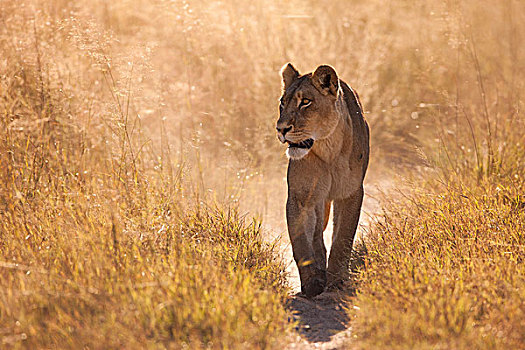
142,184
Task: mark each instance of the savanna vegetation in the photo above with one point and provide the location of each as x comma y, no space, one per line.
138,157
445,265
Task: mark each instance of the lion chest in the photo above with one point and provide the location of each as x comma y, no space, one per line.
312,179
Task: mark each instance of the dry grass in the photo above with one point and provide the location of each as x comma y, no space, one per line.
133,130
107,240
445,271
445,262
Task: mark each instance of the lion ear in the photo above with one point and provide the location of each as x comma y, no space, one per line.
290,74
325,79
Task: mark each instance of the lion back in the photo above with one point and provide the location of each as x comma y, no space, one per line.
361,133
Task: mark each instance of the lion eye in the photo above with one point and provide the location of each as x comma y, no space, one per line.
305,102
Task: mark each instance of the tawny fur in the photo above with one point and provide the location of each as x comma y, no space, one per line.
333,170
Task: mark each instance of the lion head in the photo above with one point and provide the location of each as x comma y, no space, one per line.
308,110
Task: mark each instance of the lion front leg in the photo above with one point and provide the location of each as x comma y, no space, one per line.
305,226
346,218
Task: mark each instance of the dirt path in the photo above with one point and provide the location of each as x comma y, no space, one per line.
323,321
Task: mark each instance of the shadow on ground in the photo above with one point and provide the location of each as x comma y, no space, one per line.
319,318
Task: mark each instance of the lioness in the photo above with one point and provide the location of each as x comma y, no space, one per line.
322,121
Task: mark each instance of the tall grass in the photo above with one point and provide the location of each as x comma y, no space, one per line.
106,241
445,265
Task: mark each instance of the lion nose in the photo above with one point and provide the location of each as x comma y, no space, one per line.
284,130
